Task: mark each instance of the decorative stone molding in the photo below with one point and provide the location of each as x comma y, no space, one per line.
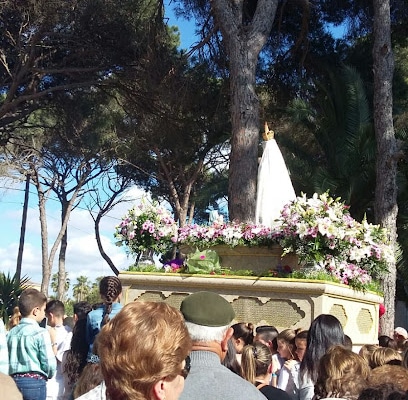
284,303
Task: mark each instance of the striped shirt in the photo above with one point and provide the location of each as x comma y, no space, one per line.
30,349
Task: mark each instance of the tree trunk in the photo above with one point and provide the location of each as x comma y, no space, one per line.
244,39
386,208
243,168
99,243
46,268
62,258
23,228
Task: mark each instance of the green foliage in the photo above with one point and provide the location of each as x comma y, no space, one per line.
141,267
10,290
373,286
204,261
77,45
69,307
81,289
171,156
341,124
54,283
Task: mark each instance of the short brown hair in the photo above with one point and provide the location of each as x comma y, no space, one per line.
143,343
29,299
341,373
395,374
366,351
385,355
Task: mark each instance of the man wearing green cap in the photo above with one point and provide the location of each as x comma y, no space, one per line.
208,318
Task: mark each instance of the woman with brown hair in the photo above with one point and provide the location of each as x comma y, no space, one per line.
325,331
341,374
143,353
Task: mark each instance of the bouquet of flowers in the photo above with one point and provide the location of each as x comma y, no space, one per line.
321,231
146,226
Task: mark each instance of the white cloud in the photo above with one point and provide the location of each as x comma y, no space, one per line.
82,258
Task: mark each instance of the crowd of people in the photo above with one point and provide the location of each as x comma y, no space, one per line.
153,351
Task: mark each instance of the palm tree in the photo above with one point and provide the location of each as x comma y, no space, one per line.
341,124
54,284
10,290
82,288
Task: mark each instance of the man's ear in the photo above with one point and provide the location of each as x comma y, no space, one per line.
227,336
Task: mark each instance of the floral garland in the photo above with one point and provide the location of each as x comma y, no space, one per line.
204,236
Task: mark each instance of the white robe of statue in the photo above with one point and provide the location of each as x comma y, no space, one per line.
274,185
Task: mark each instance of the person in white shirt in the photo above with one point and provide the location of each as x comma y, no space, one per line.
55,313
287,350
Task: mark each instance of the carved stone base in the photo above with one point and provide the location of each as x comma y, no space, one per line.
284,303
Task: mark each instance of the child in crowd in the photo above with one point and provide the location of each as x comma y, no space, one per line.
256,368
366,351
74,359
55,313
325,331
289,373
267,335
110,289
32,349
386,341
383,356
400,337
242,336
301,344
15,318
341,374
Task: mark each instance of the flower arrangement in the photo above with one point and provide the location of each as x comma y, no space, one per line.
321,231
147,226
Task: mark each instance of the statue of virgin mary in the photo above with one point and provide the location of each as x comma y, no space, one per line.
274,185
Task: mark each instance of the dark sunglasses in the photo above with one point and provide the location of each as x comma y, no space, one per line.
187,367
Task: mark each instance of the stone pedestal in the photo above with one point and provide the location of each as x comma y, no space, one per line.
258,259
284,303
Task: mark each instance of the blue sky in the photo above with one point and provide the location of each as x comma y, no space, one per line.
186,28
83,257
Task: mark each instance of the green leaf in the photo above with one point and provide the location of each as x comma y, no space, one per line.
203,261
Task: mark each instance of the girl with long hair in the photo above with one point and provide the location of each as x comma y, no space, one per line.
110,289
256,367
325,331
289,372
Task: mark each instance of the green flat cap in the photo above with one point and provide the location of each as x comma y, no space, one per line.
207,309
